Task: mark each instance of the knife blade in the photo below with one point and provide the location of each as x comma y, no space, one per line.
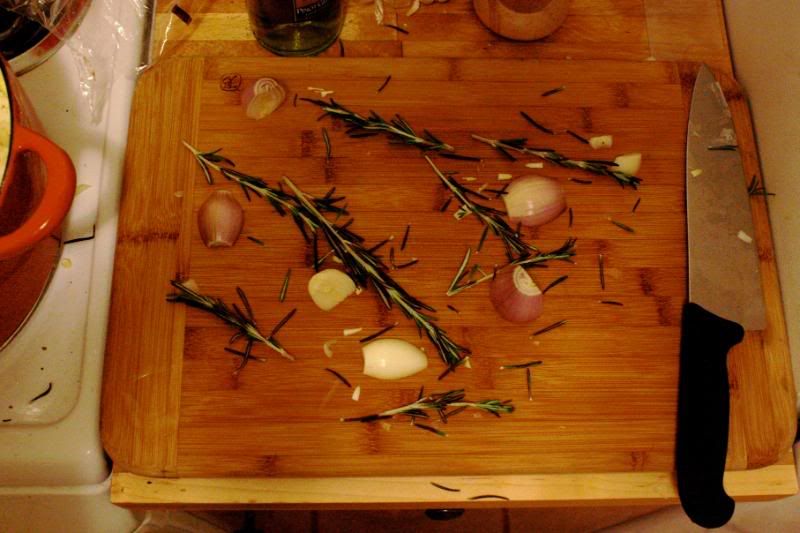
725,298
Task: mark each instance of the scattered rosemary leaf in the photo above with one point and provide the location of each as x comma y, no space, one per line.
431,429
611,302
489,496
549,328
636,205
341,48
580,138
725,147
385,83
42,394
256,240
327,141
245,354
622,226
483,238
339,377
283,322
554,90
294,101
378,333
601,271
498,192
529,382
453,309
554,283
405,238
570,217
460,157
757,189
413,262
398,28
535,124
442,487
521,365
579,180
445,205
285,286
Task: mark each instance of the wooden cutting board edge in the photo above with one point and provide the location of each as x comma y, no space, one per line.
762,437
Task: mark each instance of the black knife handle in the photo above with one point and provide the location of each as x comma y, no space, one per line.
703,408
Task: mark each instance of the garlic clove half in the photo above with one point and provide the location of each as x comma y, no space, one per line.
262,97
330,287
628,163
392,359
220,219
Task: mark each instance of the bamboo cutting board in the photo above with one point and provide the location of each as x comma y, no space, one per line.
604,399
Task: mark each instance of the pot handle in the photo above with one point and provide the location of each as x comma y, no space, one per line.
56,200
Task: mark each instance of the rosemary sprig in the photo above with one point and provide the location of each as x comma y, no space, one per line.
365,268
396,128
488,216
518,145
564,253
438,403
243,321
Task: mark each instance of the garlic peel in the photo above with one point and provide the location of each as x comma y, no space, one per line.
601,141
220,219
262,97
392,359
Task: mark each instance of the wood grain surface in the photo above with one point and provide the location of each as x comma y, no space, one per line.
604,398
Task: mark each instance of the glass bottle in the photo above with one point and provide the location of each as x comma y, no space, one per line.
296,27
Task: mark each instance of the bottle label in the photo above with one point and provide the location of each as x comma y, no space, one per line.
310,9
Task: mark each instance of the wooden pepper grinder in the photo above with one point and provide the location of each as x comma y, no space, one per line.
522,20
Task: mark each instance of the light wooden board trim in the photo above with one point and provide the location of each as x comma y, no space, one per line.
545,490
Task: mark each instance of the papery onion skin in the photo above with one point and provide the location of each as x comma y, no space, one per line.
262,97
534,200
220,219
515,296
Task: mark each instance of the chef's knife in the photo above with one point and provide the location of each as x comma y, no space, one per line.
725,298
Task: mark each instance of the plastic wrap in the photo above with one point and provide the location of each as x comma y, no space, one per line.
93,31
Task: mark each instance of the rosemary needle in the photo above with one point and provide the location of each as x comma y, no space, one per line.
535,124
385,83
339,377
327,144
453,309
378,333
633,210
571,216
430,428
580,181
601,270
521,365
405,237
529,380
285,286
442,487
611,302
490,496
397,28
622,226
554,283
580,138
554,91
256,240
549,328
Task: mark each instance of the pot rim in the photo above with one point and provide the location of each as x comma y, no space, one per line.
5,156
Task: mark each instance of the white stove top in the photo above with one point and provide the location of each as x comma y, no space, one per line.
55,439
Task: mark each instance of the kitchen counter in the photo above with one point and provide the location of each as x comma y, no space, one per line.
634,30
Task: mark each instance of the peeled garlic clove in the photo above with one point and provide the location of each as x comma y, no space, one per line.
262,97
220,219
628,163
330,287
601,141
515,296
534,200
392,359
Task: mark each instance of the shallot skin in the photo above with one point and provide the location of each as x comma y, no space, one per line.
516,297
534,200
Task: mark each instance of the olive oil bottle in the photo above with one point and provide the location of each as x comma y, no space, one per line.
296,27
